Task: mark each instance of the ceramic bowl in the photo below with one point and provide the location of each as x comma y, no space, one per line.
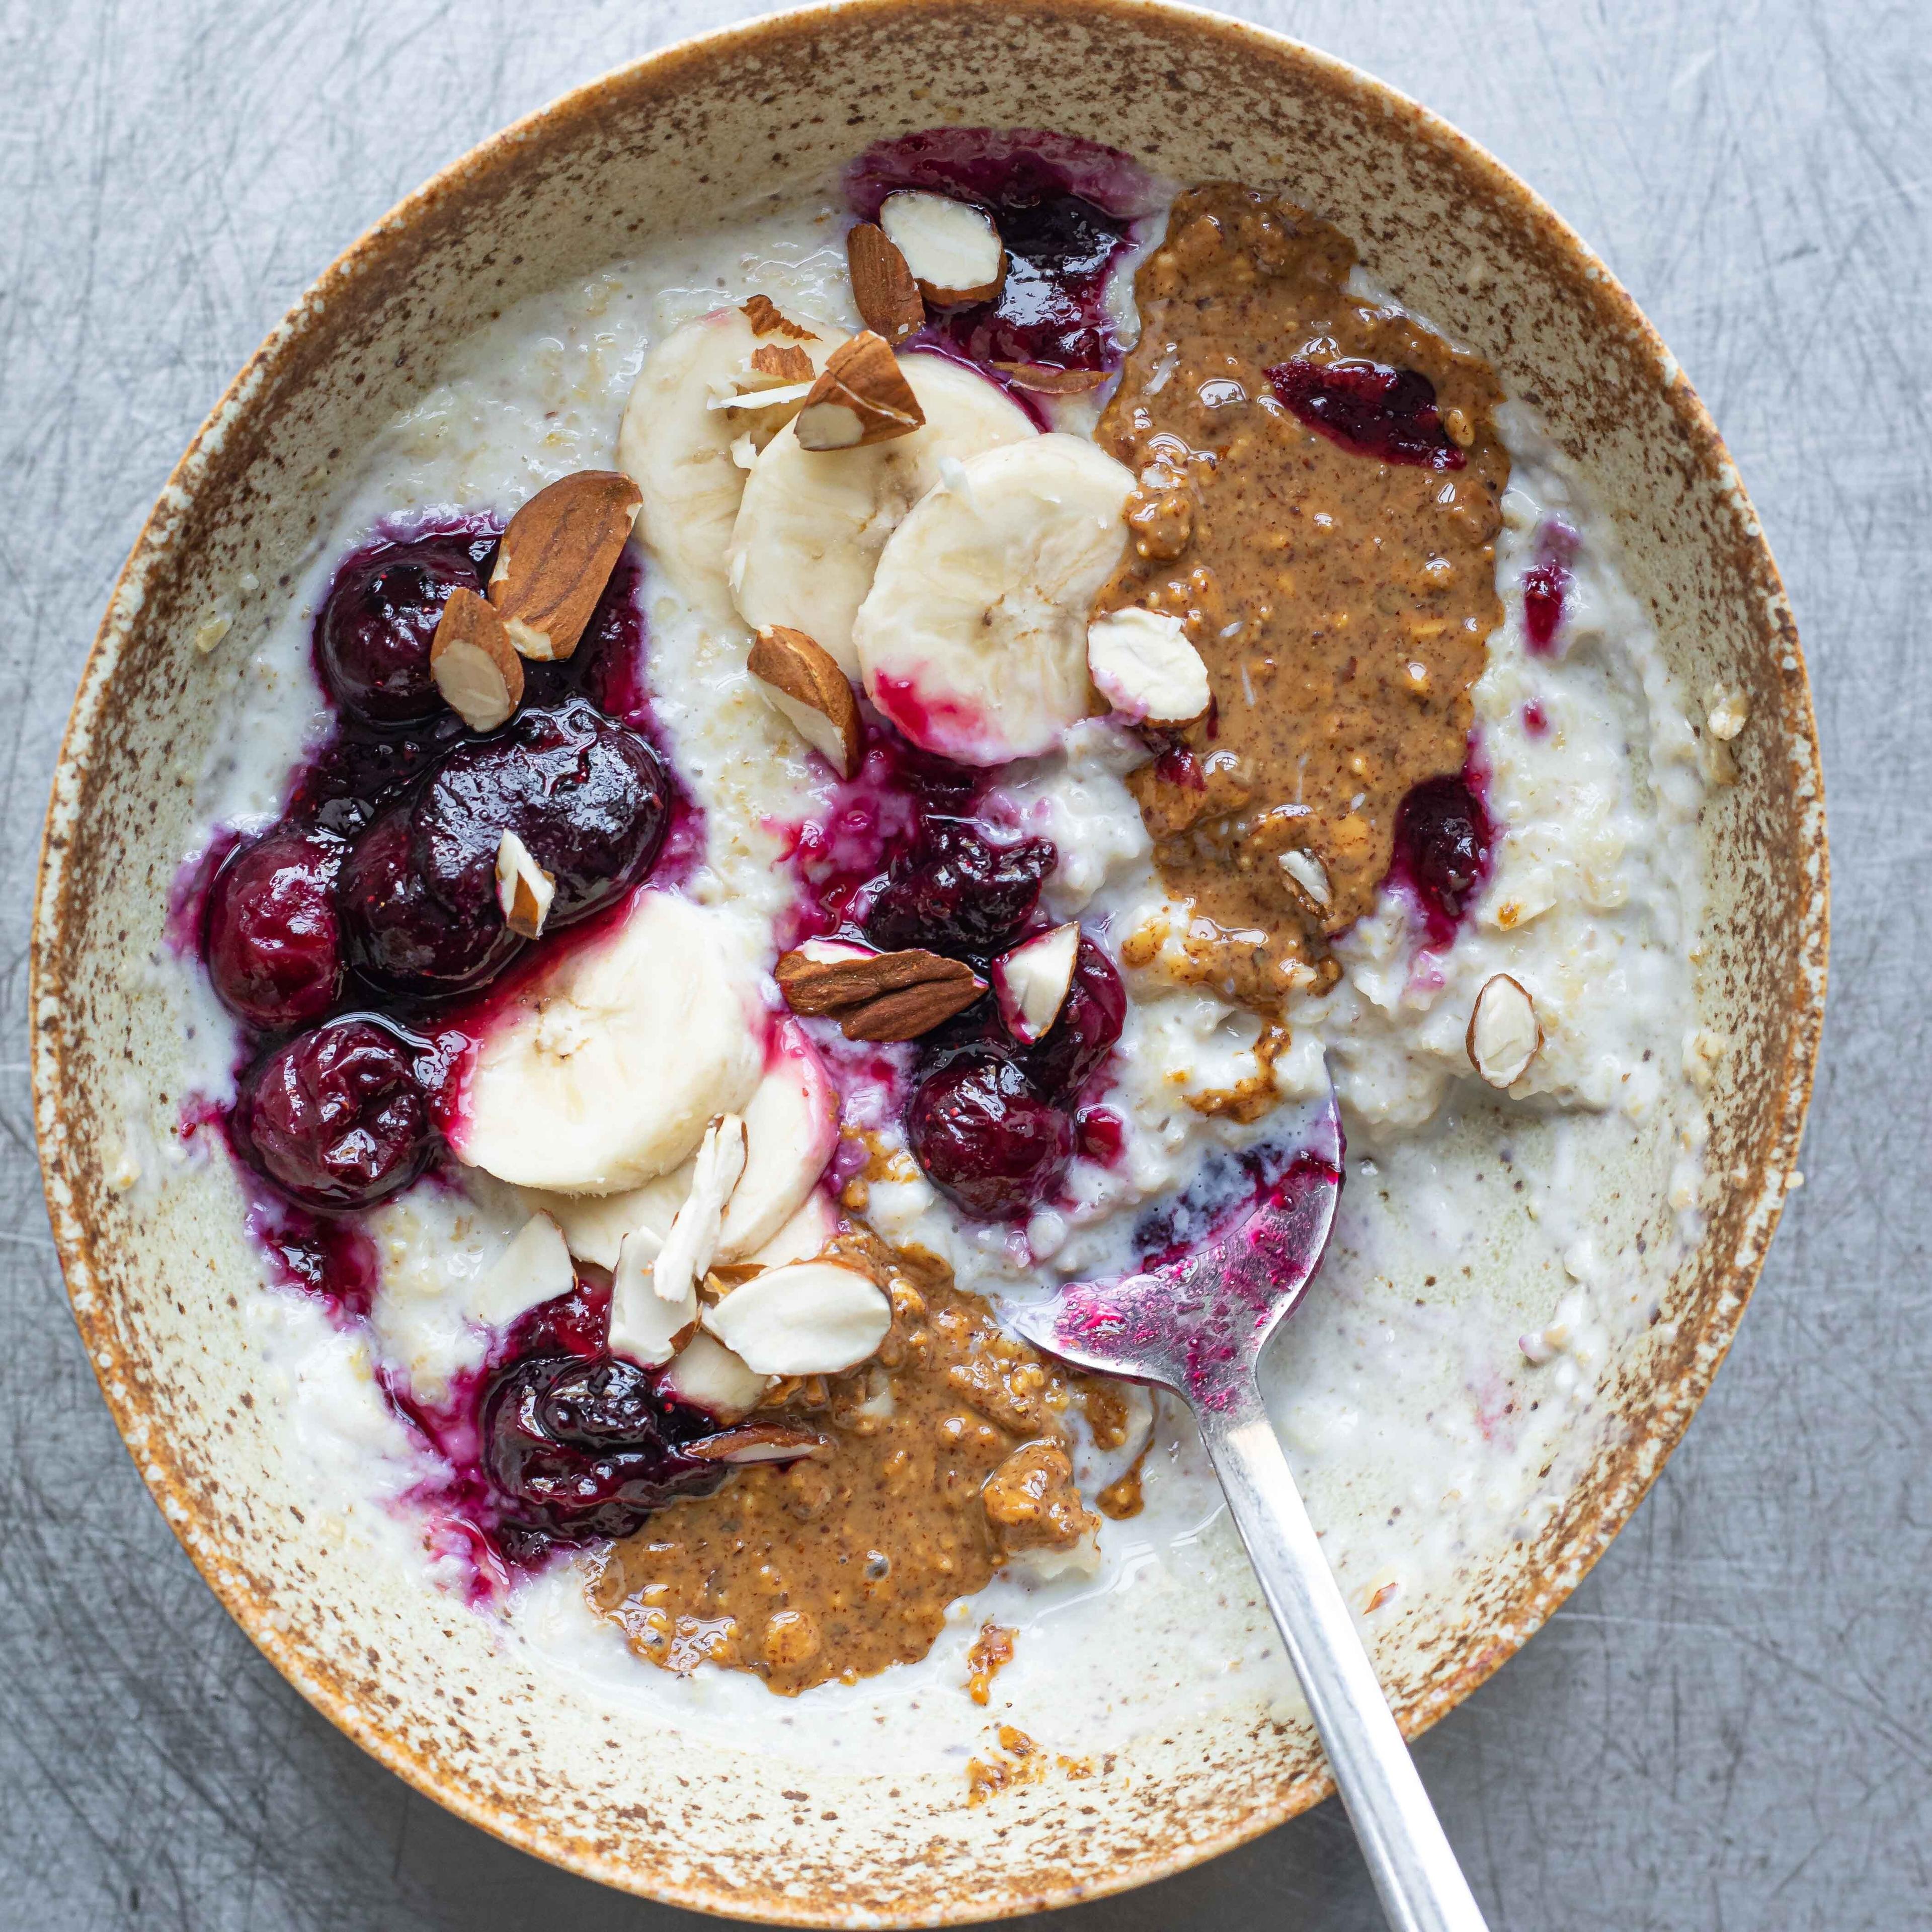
158,1285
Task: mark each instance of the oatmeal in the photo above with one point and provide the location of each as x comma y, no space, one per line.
651,1100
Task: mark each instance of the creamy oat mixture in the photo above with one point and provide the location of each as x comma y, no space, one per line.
1439,1388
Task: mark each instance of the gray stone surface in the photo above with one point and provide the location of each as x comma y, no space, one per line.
1729,1726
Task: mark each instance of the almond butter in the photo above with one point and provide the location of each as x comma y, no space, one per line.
861,397
878,996
474,663
557,556
801,680
789,363
1045,381
762,313
882,285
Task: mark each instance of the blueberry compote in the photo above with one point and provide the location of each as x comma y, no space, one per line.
1443,841
1387,413
1065,211
333,936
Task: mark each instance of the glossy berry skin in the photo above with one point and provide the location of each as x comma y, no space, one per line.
338,1118
1442,842
578,1449
954,891
1090,1022
272,940
400,934
373,636
1389,414
986,1137
588,797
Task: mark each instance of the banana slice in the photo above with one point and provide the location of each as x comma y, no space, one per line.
605,1070
676,445
812,523
973,639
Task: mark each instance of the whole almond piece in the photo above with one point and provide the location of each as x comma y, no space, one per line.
557,556
801,681
1046,381
474,663
862,397
878,996
763,314
1505,1034
952,247
882,285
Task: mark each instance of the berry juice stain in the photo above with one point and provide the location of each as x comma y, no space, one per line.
1546,585
1066,210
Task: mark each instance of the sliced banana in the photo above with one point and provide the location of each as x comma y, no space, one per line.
973,639
604,1071
676,446
812,523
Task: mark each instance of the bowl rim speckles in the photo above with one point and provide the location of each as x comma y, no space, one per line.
1206,92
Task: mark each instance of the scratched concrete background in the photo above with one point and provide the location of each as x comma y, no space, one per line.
1730,1724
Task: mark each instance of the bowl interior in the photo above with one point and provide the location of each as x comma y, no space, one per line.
164,1282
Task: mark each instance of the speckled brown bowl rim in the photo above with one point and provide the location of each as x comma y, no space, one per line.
1594,1514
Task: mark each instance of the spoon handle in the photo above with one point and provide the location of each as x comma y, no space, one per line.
1421,1886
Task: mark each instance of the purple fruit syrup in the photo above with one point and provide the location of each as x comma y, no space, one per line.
1546,585
1065,210
1389,414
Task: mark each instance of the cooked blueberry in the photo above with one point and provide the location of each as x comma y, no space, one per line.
372,639
579,1449
400,934
1089,1022
1389,414
272,940
986,1137
1442,840
587,797
955,891
338,1118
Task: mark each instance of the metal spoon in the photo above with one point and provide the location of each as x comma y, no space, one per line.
1197,1324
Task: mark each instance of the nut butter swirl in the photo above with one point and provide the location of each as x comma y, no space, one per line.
1342,602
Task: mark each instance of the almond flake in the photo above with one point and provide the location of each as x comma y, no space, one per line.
1031,981
557,557
757,1442
762,313
524,889
801,680
785,364
474,663
1142,664
879,996
1505,1034
1308,873
809,1318
1045,380
644,1328
861,397
887,297
952,248
686,1258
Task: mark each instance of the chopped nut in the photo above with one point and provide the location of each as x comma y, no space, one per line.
877,996
1309,876
801,680
557,555
887,297
1046,381
1505,1034
861,397
474,663
1729,712
952,248
787,364
762,313
524,889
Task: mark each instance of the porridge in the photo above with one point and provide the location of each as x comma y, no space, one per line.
867,764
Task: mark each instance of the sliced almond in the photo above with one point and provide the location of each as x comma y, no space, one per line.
1309,876
645,1328
882,285
704,1374
952,248
785,364
474,663
1046,381
1142,664
802,682
810,1318
1032,981
524,889
878,996
686,1256
534,1268
1505,1034
770,403
763,313
861,397
791,1130
557,556
758,1442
